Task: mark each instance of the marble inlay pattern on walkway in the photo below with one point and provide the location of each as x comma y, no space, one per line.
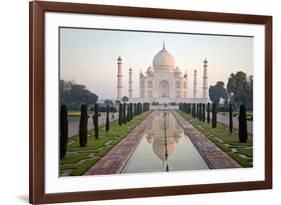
213,156
114,161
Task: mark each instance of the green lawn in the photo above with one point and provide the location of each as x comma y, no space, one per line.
78,160
229,143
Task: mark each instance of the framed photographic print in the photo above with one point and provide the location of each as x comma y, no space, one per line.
138,102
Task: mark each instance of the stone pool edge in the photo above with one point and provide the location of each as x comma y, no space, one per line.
214,157
116,159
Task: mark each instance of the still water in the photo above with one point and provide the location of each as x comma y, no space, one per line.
164,147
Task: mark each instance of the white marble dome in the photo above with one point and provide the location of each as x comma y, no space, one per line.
163,60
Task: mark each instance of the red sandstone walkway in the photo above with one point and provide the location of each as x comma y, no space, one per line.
213,156
114,161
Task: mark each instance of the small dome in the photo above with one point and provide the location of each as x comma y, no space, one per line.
205,61
185,74
141,73
163,60
149,69
119,58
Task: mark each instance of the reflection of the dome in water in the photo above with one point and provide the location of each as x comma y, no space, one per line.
163,144
164,147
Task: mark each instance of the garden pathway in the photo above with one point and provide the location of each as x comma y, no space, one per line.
115,160
73,127
225,120
213,156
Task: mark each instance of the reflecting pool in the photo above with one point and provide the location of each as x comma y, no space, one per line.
164,147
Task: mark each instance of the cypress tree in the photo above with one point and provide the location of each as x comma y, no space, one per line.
107,119
230,119
197,111
243,133
120,114
96,121
131,111
214,115
193,110
83,126
63,131
139,108
203,113
200,112
208,113
128,113
124,114
135,109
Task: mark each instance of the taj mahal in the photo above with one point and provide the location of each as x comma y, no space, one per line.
163,82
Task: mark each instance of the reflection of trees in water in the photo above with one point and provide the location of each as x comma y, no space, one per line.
164,134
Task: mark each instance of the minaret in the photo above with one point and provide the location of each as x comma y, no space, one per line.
130,84
119,79
195,84
205,79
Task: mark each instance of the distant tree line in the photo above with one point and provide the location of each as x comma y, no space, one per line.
239,90
74,95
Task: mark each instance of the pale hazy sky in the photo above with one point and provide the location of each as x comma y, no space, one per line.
89,57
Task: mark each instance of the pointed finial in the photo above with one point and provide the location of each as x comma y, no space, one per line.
205,61
163,44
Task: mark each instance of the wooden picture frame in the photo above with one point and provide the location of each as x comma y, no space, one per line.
37,101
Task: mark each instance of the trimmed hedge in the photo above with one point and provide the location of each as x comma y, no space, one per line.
107,119
243,133
83,126
96,121
63,131
230,118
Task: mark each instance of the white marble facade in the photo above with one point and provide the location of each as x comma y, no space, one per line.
164,82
